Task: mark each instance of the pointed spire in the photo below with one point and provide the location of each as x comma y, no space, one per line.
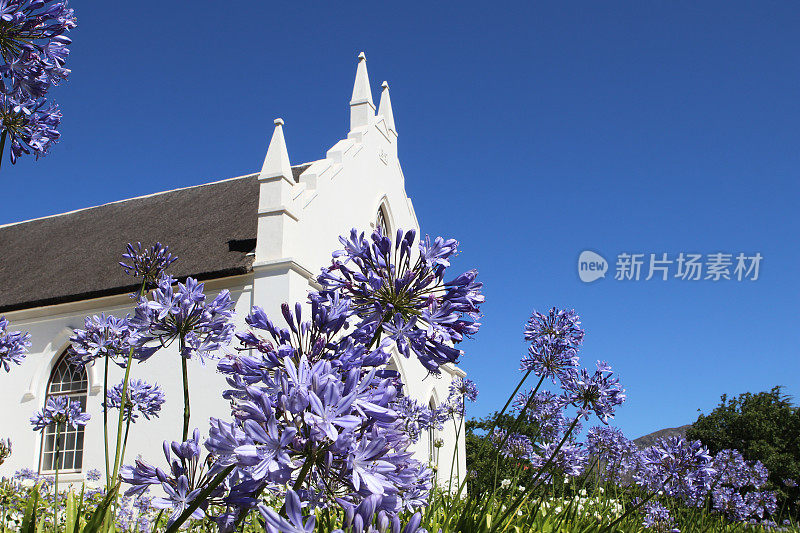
277,161
362,93
385,109
361,107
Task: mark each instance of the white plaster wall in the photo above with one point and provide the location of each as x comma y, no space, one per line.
22,391
370,176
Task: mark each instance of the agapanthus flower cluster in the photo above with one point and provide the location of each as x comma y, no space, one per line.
736,489
657,517
513,445
333,432
33,46
112,337
142,398
147,263
613,451
453,407
546,410
464,387
31,124
13,345
135,513
93,474
599,392
180,484
60,410
568,460
402,295
554,342
681,468
416,418
181,312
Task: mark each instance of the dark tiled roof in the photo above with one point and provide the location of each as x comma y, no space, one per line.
70,257
74,256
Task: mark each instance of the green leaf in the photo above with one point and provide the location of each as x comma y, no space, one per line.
95,524
71,515
29,520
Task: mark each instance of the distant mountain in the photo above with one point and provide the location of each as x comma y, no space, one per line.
650,439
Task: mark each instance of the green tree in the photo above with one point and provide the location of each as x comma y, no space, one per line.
763,426
482,452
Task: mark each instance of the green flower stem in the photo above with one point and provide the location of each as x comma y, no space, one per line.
125,439
55,485
2,145
105,417
118,452
513,428
186,412
465,512
514,505
123,402
455,455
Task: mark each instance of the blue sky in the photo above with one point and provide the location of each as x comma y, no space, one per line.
529,131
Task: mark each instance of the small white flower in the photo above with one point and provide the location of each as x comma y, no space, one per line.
521,488
505,483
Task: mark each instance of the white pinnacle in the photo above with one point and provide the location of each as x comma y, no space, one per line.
362,93
276,163
385,108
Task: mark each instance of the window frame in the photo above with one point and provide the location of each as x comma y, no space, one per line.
76,389
383,216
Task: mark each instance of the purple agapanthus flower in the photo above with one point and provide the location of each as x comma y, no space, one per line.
294,522
513,445
5,449
13,345
60,410
613,451
178,498
657,517
599,392
554,342
464,387
30,125
678,467
34,51
404,298
181,312
181,482
146,263
112,337
569,460
142,398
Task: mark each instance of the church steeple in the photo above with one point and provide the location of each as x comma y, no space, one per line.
362,110
385,109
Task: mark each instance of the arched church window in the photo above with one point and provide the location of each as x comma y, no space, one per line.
69,380
382,221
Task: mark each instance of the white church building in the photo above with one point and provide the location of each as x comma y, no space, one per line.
264,237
